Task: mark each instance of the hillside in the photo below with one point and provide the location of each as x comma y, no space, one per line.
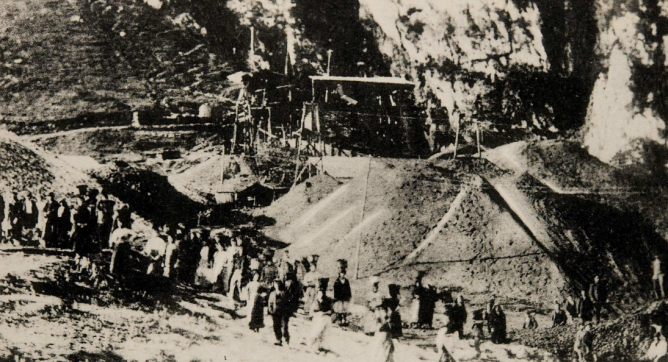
489,60
62,59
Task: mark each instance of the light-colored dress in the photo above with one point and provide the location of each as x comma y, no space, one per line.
203,268
444,342
321,322
382,340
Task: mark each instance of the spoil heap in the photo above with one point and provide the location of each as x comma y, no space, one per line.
529,227
26,167
437,216
483,247
596,219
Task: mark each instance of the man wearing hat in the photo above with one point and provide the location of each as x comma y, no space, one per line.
83,191
29,212
105,219
285,265
278,307
269,270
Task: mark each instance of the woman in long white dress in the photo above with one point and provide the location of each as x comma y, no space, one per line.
203,268
322,319
383,346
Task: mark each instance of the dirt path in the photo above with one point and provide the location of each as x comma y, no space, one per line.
35,326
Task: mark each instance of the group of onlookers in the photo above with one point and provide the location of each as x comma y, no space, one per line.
83,222
233,264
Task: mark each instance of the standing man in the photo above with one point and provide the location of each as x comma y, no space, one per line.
269,271
14,218
393,308
285,266
598,293
278,308
2,214
122,216
459,315
30,214
419,300
585,307
83,234
657,277
64,225
498,322
293,291
105,220
558,316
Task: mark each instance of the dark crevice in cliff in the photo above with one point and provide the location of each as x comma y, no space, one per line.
336,25
570,34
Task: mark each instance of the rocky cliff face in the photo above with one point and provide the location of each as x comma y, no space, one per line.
521,67
628,101
544,66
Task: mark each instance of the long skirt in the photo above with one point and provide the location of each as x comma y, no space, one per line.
235,285
370,322
341,307
395,324
443,342
320,326
221,282
309,298
383,347
50,235
83,241
414,311
256,314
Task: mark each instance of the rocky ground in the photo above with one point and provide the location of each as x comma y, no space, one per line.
50,313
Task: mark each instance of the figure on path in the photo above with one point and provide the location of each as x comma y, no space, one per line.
255,308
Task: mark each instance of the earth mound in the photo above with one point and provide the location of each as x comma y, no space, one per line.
26,167
523,225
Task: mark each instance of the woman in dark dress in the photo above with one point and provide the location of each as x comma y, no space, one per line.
63,225
51,223
497,322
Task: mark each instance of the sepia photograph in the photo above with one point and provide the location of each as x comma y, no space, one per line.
333,180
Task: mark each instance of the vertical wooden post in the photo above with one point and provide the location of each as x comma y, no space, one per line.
359,239
299,144
329,60
251,53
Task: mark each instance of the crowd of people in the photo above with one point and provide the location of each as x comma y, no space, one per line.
83,223
253,277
